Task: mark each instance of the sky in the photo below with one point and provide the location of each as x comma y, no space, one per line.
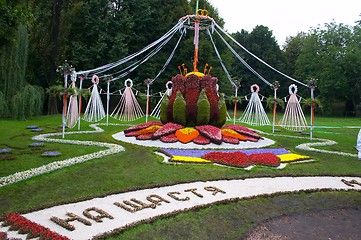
286,17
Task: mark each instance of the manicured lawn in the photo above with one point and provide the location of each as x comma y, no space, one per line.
138,167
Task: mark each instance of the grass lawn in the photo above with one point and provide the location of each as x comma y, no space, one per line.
138,167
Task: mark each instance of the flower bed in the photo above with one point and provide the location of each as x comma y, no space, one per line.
266,159
6,150
51,154
36,144
31,229
201,135
271,157
235,159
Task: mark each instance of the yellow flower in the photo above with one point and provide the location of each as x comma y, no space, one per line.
291,157
189,159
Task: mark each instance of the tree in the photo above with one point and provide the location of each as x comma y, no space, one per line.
332,55
263,44
13,13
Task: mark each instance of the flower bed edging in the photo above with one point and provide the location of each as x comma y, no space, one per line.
112,149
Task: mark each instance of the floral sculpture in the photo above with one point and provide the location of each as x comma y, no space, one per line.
194,101
201,135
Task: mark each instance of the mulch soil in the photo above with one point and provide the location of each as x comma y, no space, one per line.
335,224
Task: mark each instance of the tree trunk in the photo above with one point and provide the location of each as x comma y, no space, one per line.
54,53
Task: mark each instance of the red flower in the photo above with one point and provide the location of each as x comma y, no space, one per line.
201,140
228,139
171,138
211,132
167,129
243,130
266,159
144,137
236,159
142,126
23,225
191,96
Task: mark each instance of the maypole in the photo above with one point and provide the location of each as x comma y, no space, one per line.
312,84
275,86
196,39
236,86
66,70
81,78
65,102
108,99
148,82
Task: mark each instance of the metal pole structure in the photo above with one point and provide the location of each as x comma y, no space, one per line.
81,78
235,106
147,107
274,109
64,104
108,99
312,112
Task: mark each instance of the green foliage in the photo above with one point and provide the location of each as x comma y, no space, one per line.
13,14
203,109
271,101
3,106
164,109
315,103
261,42
13,61
179,110
27,103
222,109
333,56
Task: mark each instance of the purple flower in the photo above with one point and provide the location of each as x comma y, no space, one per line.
201,152
6,150
36,129
36,144
50,154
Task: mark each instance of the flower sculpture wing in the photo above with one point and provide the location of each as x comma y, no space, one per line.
143,125
167,129
211,132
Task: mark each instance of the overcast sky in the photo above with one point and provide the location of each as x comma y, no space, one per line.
286,17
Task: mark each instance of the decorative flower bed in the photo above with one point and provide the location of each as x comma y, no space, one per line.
36,144
31,229
6,150
272,157
51,154
202,135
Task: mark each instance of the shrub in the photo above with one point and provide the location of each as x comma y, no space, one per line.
203,109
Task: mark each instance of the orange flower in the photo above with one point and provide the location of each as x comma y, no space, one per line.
186,135
231,133
148,130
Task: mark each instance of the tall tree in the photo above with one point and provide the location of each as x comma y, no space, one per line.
331,55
